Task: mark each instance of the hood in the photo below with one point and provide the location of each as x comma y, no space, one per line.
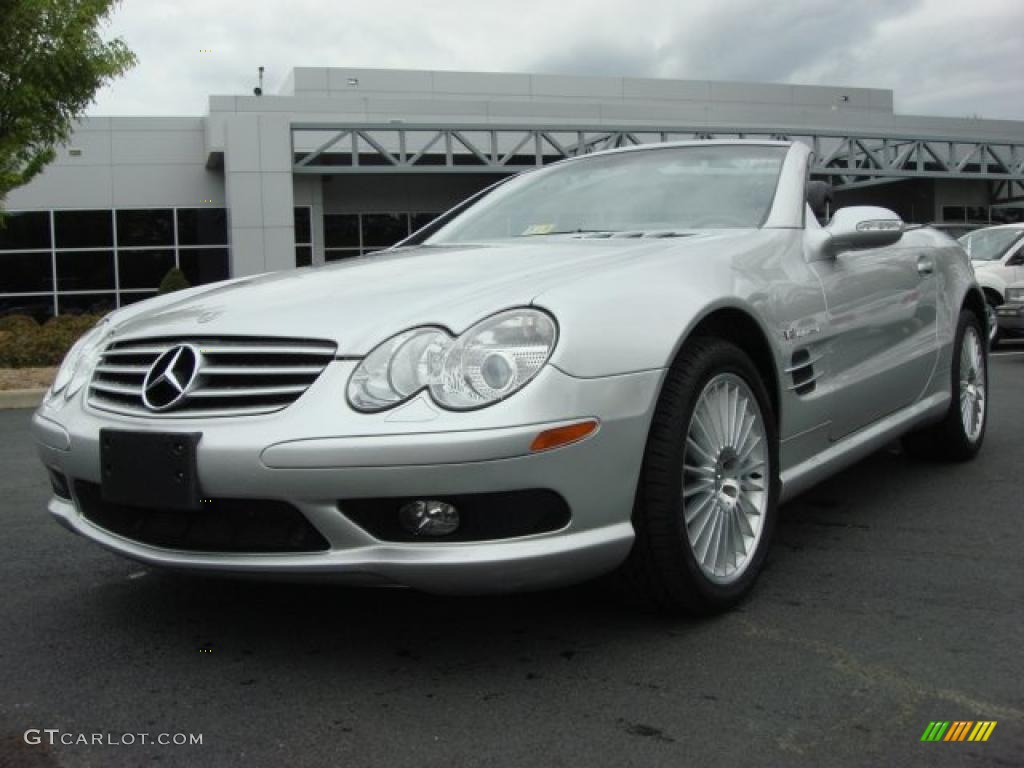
362,301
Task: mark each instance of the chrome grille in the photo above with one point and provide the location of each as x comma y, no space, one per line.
237,376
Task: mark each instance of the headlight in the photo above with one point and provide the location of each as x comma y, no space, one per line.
490,361
1015,294
78,362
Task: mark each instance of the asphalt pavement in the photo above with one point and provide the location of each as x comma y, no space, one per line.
893,597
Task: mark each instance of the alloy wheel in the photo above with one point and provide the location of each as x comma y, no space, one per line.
972,384
725,478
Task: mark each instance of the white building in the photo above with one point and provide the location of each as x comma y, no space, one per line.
345,161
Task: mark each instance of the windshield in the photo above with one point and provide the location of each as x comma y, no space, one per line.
989,244
655,190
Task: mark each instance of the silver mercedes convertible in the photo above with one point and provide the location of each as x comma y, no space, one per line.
623,362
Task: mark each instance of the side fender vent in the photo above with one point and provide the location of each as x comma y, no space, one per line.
802,371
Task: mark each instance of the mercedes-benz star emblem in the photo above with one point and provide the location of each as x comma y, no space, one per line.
171,377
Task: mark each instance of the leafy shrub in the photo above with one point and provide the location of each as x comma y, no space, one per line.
26,344
174,280
17,324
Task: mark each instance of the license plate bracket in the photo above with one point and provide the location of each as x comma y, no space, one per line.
150,469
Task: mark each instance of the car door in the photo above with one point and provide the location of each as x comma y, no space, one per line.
882,330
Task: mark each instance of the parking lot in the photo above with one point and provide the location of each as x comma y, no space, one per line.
894,596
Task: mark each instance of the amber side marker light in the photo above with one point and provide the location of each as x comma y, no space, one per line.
559,436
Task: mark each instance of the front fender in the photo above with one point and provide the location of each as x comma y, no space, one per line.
636,316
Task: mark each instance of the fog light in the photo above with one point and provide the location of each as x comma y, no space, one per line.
429,518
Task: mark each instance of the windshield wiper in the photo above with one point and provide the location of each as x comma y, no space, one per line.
616,233
604,232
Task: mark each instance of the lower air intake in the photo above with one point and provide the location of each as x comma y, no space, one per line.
250,526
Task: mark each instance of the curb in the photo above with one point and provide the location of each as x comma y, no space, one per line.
21,398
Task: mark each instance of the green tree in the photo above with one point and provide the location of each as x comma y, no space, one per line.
52,62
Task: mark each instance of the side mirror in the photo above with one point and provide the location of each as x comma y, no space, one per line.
856,228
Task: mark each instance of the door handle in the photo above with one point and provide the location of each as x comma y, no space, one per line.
925,265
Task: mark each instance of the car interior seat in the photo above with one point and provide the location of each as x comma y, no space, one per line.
819,197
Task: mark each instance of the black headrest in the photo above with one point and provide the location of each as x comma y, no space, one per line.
819,197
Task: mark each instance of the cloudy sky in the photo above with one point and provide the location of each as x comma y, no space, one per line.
941,57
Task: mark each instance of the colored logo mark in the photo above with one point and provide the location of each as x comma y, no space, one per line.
958,730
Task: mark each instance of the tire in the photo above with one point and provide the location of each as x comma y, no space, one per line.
995,334
955,438
667,568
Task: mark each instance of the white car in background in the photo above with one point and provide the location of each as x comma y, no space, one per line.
1011,314
997,254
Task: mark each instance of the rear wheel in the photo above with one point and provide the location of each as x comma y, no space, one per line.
708,492
958,437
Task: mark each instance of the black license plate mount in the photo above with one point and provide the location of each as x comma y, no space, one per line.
150,469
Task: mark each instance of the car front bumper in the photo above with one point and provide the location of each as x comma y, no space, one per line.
1011,319
317,452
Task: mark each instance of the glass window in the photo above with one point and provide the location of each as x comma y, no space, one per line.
1007,214
204,265
85,270
977,214
339,254
341,230
150,227
202,226
954,213
303,255
83,229
989,244
383,229
420,220
143,269
24,272
650,190
39,307
85,303
134,296
25,231
303,226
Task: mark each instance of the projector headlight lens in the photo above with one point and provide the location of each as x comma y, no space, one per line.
490,361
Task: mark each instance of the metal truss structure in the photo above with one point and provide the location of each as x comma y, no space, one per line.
1007,191
846,159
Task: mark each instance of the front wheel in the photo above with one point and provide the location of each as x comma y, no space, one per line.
993,325
958,437
708,492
